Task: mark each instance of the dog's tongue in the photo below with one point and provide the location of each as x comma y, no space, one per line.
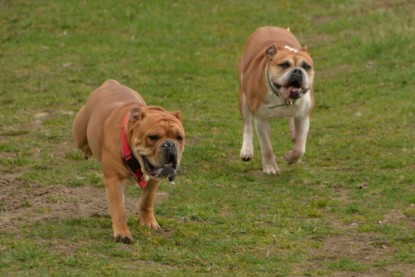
286,92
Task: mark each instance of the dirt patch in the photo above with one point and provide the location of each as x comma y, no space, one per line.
362,248
20,205
397,216
365,249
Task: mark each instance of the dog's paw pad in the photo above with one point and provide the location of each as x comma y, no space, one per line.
123,239
246,158
152,224
292,157
271,170
246,155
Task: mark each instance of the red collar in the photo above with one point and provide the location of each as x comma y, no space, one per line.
130,161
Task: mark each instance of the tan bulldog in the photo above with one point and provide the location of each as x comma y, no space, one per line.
275,80
129,139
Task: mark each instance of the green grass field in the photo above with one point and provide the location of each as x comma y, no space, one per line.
348,209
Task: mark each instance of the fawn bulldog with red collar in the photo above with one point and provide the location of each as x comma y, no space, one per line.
129,139
275,80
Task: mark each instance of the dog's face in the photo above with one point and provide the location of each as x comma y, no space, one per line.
290,71
157,140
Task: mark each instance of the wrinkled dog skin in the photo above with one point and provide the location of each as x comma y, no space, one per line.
275,80
155,137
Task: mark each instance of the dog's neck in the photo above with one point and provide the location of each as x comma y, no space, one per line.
130,161
269,83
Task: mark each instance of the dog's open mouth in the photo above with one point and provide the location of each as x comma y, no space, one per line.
293,91
167,170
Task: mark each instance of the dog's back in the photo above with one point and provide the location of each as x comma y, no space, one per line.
90,120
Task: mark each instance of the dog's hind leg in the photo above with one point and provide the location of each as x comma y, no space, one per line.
247,150
79,132
87,152
301,125
292,128
269,165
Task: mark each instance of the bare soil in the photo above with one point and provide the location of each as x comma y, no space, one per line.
27,204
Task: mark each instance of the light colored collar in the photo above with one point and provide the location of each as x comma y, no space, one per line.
269,83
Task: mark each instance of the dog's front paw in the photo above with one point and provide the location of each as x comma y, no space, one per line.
246,154
293,156
271,169
150,222
123,234
127,239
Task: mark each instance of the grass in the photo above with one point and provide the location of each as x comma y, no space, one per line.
347,208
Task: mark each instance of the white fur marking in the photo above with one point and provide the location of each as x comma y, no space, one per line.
291,49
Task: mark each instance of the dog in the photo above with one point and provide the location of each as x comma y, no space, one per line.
275,80
129,138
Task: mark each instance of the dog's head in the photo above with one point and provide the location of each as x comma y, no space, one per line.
290,71
156,138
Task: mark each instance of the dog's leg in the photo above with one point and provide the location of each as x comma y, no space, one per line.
115,195
147,217
268,159
301,131
247,150
292,128
79,132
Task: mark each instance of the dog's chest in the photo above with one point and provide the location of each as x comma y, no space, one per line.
274,107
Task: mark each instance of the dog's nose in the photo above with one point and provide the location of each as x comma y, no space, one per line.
296,77
168,144
170,150
297,71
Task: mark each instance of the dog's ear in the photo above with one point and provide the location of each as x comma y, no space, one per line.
305,49
271,51
136,113
177,115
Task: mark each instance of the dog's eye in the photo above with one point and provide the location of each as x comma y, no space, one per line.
306,66
153,138
179,138
284,65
